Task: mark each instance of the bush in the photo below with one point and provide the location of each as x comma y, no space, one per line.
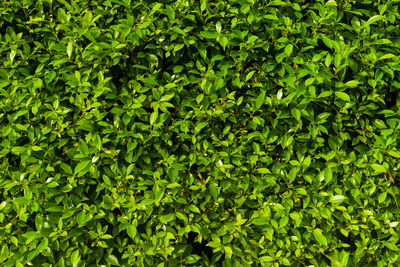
203,133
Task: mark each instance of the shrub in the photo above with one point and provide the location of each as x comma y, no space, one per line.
213,133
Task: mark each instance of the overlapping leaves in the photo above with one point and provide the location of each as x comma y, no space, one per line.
266,129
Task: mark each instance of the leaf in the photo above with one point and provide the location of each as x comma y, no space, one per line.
373,19
81,218
325,94
81,165
279,94
323,116
111,259
156,7
379,124
75,258
327,41
200,126
261,221
289,49
36,148
387,56
209,35
153,117
167,97
391,246
378,168
249,75
131,231
352,84
192,259
328,175
394,153
43,245
228,252
193,208
382,197
296,114
263,170
167,218
266,259
218,27
83,147
283,221
319,236
69,49
309,81
259,101
343,96
337,199
199,98
223,41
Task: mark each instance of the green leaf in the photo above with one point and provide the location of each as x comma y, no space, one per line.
374,19
328,175
379,124
81,166
199,98
378,168
394,154
263,170
289,49
66,168
81,218
382,197
337,199
266,259
218,27
223,41
111,259
309,81
343,96
319,236
69,49
391,246
228,252
36,148
250,75
153,117
200,126
75,258
192,259
259,101
167,218
283,221
209,35
167,97
325,94
261,221
352,84
131,231
193,208
43,245
387,56
327,41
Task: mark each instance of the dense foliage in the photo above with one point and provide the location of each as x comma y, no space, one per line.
203,133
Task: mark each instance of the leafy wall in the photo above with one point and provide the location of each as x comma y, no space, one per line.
203,133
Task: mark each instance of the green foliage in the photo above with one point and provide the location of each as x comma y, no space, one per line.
199,133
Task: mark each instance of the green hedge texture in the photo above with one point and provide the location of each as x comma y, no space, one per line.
199,133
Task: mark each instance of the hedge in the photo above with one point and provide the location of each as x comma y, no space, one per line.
199,133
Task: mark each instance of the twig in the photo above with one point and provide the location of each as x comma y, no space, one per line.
390,177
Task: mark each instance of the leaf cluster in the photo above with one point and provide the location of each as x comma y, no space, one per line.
199,133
